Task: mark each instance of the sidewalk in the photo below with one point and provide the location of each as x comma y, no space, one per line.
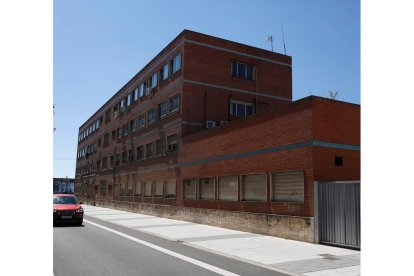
293,257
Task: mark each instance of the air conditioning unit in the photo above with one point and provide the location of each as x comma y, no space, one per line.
147,91
172,147
223,122
210,124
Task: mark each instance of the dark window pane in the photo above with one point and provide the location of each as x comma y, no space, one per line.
241,111
234,69
241,70
249,110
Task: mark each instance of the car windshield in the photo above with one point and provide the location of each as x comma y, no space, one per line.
64,200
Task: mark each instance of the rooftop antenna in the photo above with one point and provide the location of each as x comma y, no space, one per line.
270,38
283,33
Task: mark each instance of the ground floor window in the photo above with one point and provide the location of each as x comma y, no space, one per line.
254,187
189,188
206,188
138,189
228,188
170,188
159,188
288,186
147,188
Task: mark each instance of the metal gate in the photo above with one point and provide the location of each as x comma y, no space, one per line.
337,213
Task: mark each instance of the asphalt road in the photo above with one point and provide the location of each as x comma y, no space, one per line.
102,248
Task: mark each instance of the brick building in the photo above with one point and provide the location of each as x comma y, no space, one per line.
207,131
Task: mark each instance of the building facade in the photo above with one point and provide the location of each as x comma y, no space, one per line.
207,131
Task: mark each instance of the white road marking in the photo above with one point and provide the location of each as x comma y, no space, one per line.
166,251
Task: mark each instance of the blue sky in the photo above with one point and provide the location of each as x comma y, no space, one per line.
100,44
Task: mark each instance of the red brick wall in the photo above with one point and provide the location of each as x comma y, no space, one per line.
337,122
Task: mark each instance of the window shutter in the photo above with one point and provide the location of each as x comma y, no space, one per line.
288,186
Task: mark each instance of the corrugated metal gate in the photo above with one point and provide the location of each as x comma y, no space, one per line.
338,213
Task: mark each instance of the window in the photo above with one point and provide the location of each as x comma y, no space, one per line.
142,89
162,109
138,189
339,161
176,63
254,187
159,188
130,155
228,188
149,150
242,70
119,132
129,189
151,116
172,142
104,162
123,192
106,139
125,129
147,188
189,188
154,80
128,103
206,188
113,134
124,158
140,152
141,121
97,124
165,72
160,146
107,116
288,186
174,103
136,94
133,125
170,188
112,161
242,109
103,185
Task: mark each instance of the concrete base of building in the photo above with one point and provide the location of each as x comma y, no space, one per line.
288,227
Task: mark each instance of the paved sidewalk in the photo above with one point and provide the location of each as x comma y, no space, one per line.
293,257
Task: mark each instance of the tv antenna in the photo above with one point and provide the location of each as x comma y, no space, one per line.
270,38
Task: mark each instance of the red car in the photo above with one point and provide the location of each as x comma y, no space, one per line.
66,208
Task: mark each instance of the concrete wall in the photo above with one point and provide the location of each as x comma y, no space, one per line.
288,227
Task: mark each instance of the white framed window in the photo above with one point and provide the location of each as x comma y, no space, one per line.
165,72
288,186
159,188
242,70
254,187
206,187
189,188
148,188
170,188
162,109
174,103
151,115
141,121
228,188
138,188
141,90
176,63
239,108
154,80
136,94
128,103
